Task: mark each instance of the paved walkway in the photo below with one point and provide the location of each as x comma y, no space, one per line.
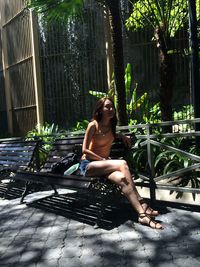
59,231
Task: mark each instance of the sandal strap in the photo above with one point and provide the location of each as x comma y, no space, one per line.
150,220
143,214
141,200
149,211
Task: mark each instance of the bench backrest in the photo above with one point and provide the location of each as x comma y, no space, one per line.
17,155
61,147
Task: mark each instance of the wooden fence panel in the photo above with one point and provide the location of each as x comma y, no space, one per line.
18,67
3,116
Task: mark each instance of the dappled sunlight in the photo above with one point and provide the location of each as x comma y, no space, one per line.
33,233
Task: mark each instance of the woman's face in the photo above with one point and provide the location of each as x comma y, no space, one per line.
108,109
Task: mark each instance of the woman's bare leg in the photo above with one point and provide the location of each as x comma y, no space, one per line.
127,189
118,172
108,166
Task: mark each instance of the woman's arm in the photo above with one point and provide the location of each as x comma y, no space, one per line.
125,139
90,131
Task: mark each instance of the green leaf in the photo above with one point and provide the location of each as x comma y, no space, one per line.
170,166
98,94
127,78
56,9
136,104
162,156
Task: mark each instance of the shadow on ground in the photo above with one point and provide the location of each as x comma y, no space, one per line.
87,209
32,237
11,190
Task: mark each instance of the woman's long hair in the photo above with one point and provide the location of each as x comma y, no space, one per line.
97,114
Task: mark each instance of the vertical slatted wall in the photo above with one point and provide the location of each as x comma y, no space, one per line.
3,115
142,53
18,70
73,62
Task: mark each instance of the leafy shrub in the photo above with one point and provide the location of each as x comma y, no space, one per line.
80,126
47,134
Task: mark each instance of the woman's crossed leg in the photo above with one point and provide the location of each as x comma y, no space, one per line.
118,172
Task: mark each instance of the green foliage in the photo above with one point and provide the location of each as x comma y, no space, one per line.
56,9
99,94
148,113
187,112
140,161
170,14
167,161
194,150
47,134
80,126
111,92
134,104
152,114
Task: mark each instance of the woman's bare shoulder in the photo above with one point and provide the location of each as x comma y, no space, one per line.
92,125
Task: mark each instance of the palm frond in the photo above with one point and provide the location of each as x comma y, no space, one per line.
153,10
178,16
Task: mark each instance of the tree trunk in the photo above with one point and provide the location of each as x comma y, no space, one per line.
118,59
166,76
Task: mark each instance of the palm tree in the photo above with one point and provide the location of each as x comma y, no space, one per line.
63,9
166,17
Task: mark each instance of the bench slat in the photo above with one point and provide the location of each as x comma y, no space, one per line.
17,148
17,154
10,158
12,163
19,144
61,153
69,181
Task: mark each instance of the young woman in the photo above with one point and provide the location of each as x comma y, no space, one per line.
95,160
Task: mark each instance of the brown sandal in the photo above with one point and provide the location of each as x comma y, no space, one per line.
149,211
150,222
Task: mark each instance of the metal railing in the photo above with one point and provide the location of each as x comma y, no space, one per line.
148,139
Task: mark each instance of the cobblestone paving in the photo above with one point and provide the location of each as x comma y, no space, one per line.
54,232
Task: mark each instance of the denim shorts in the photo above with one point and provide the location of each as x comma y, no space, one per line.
83,166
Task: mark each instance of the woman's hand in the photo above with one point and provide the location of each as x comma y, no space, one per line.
126,140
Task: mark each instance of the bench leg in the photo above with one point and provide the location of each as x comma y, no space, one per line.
8,188
103,203
55,190
25,192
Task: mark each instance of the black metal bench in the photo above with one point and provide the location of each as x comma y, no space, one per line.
16,155
62,147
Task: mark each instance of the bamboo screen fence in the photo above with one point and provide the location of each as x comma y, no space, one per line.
17,67
3,116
